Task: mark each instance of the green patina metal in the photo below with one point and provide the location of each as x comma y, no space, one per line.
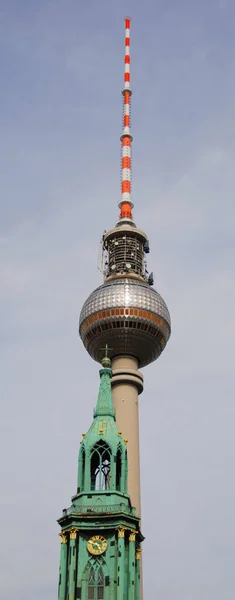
101,507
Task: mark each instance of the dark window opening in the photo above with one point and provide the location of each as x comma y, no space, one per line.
118,470
83,469
100,467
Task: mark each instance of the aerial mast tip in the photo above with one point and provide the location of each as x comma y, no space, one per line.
126,137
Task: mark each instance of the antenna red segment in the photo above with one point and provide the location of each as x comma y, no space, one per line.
126,138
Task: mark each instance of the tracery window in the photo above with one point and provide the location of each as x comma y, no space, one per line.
91,584
96,583
100,467
100,585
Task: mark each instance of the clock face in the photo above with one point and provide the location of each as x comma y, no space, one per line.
97,544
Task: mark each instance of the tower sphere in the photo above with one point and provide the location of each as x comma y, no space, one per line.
128,315
125,313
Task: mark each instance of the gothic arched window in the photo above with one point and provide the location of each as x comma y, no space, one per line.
96,583
83,469
91,584
125,479
118,469
100,466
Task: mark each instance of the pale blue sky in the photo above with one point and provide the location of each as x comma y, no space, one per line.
61,69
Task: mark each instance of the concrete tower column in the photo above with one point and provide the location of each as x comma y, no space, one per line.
127,384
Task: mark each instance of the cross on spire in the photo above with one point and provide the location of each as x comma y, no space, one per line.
106,350
106,362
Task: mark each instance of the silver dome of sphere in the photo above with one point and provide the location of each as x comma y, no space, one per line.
129,316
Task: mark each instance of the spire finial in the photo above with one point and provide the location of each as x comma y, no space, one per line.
106,362
126,137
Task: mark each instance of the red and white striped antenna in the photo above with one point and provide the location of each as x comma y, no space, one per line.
126,137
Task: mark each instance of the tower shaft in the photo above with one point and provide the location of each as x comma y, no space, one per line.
127,383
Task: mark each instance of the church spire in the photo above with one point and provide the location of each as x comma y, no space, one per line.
100,531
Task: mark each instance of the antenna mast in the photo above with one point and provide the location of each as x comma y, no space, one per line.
126,137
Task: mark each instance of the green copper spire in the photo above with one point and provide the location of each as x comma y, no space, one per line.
102,461
101,537
104,405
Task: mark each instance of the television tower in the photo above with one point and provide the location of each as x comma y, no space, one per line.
124,324
126,312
